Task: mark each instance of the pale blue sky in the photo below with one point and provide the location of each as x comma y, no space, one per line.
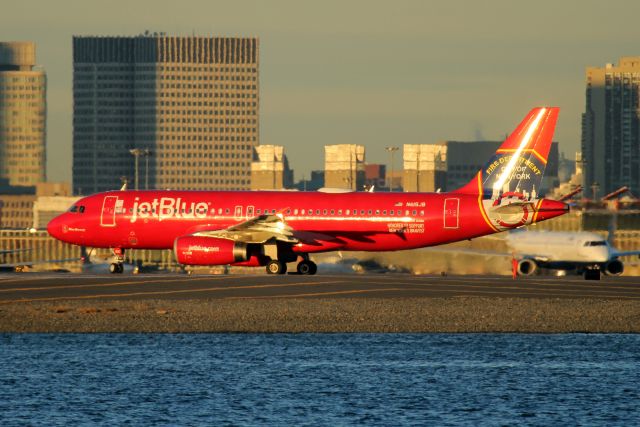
375,73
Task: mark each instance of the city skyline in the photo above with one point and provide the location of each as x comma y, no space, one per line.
406,73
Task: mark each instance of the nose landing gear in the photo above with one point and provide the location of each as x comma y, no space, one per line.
118,266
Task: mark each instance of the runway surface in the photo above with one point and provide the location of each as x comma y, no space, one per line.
25,287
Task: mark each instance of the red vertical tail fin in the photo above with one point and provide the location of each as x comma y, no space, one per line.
519,164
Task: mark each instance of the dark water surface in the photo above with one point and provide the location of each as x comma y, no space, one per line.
320,379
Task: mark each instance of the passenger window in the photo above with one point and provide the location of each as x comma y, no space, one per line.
333,212
377,211
391,213
288,211
347,212
339,211
324,212
226,211
370,211
295,211
415,213
384,213
301,211
421,213
317,211
361,211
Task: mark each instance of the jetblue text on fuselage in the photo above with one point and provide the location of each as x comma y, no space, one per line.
168,207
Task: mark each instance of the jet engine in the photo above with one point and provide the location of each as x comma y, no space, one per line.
614,268
527,267
199,250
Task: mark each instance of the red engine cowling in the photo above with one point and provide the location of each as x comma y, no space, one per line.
198,250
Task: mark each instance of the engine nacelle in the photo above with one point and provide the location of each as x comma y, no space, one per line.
614,268
527,267
198,250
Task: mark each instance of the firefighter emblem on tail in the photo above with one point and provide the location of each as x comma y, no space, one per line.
509,184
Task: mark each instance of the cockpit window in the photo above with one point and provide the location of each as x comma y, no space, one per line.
81,209
596,243
73,209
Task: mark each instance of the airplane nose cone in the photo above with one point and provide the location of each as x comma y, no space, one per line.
54,228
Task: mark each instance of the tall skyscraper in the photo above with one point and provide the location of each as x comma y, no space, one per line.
23,108
611,127
188,104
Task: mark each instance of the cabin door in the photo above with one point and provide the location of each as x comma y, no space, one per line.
108,215
451,213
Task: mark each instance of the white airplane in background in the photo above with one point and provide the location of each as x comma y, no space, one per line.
586,253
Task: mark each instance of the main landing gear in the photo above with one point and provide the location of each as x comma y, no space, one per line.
118,266
306,267
276,267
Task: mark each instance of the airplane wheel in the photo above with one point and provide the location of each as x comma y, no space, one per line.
304,267
276,267
592,274
114,268
307,267
314,268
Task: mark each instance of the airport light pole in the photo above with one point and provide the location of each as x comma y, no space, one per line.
146,153
594,190
136,152
392,152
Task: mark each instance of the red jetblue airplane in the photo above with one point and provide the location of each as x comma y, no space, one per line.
272,228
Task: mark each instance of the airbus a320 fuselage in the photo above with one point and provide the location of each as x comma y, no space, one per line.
272,228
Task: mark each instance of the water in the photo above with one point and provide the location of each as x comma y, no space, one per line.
316,379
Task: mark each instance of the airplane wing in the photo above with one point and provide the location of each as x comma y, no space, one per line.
627,253
12,251
32,263
483,252
256,230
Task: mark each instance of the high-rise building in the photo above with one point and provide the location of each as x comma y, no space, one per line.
344,166
611,127
270,169
188,104
23,109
